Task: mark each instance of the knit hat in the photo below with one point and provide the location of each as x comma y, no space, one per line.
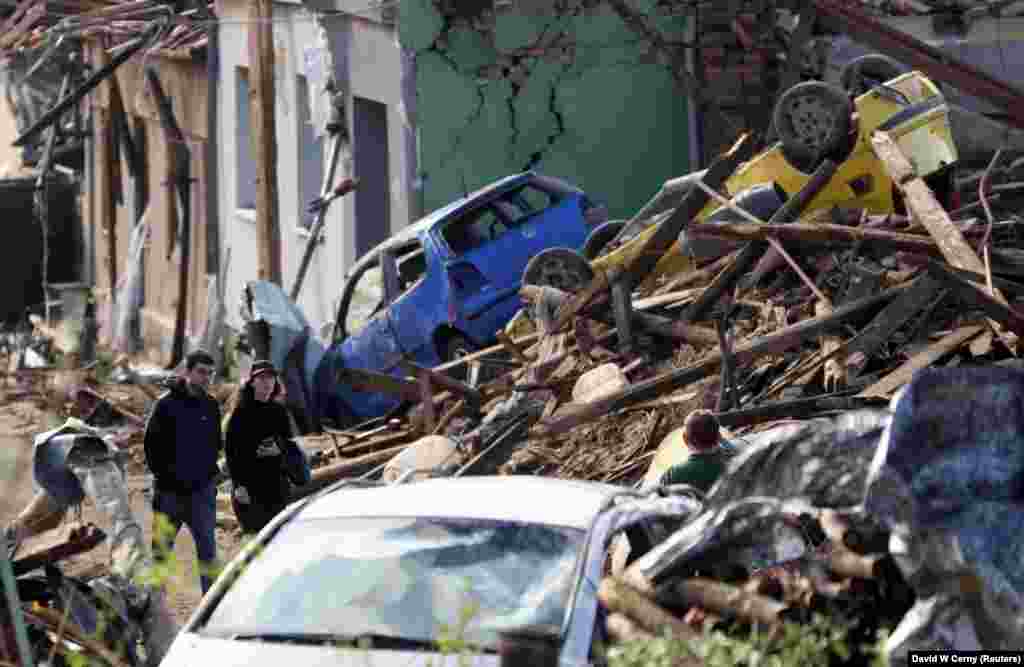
701,430
261,366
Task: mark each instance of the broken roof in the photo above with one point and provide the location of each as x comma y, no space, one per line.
33,24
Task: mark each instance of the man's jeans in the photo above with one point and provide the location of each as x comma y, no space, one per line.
197,510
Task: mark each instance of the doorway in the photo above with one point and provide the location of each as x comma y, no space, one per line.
373,198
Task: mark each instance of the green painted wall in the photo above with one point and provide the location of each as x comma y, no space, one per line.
572,93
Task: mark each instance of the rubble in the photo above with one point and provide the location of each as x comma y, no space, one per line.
802,359
838,345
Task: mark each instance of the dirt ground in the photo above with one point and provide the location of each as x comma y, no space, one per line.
20,420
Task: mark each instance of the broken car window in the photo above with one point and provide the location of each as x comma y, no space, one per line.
525,202
405,578
473,230
412,266
367,299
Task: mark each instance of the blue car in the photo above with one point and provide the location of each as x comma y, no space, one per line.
438,289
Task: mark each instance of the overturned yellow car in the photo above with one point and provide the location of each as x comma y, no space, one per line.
814,121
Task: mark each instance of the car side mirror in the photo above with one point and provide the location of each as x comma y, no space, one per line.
534,646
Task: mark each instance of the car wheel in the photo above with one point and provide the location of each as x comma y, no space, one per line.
862,74
456,346
813,121
600,237
561,268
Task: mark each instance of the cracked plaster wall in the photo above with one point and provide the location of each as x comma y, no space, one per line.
564,88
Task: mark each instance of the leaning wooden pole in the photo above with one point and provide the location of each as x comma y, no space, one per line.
264,139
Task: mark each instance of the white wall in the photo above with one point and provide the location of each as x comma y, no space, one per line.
374,74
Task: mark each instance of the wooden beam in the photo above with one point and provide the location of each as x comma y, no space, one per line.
362,380
472,395
427,399
264,139
923,359
924,207
819,234
978,296
348,468
480,354
775,343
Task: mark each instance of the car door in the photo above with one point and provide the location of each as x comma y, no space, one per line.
366,338
482,289
419,308
538,219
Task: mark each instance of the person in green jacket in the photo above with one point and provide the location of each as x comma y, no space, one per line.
708,453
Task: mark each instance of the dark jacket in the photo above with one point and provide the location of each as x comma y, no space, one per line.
252,424
183,440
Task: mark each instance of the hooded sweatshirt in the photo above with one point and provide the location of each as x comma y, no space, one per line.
183,440
250,457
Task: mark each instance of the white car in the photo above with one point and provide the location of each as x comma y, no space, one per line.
426,572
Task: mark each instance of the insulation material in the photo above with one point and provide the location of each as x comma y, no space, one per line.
130,289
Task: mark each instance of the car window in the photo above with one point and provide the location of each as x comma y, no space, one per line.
473,230
412,266
406,578
526,201
367,299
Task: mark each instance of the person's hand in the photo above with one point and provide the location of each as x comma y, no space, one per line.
242,495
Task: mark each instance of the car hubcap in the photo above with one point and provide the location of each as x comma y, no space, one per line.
563,274
812,121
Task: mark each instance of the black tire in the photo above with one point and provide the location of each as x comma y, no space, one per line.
454,346
864,73
813,121
599,238
561,268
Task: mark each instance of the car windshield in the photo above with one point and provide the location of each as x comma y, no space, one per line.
422,579
367,297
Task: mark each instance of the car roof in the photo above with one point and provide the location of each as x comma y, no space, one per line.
409,233
543,500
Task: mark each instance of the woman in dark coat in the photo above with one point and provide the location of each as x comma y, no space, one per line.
257,433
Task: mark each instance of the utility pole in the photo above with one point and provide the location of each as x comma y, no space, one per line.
264,138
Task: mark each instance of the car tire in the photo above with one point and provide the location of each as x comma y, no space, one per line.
874,67
561,268
600,237
455,346
813,121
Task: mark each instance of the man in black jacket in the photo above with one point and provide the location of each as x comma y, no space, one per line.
183,440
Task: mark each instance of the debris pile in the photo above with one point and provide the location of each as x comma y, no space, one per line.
859,519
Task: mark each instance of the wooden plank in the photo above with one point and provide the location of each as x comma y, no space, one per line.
923,359
775,343
480,354
815,233
332,473
441,380
787,213
363,380
975,294
924,207
426,398
513,348
923,291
